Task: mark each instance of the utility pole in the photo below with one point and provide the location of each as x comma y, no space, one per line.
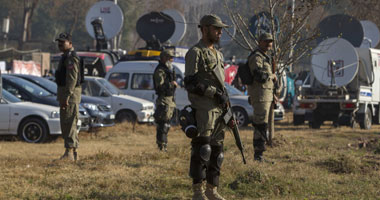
5,30
293,2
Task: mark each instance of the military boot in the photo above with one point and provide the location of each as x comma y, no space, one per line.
198,192
164,147
258,156
212,193
68,155
75,154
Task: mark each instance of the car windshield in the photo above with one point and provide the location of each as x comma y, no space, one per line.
111,88
48,84
30,87
233,91
10,97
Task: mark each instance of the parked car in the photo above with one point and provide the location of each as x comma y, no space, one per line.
32,122
28,91
96,63
100,111
126,108
135,78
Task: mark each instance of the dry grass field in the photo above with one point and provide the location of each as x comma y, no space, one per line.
119,163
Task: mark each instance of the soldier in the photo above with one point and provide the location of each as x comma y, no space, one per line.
164,85
69,90
261,92
204,82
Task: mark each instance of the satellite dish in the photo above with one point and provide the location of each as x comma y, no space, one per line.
110,14
261,23
225,39
371,34
180,25
343,26
155,26
337,55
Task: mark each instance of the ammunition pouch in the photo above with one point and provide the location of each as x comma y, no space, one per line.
188,122
260,76
192,85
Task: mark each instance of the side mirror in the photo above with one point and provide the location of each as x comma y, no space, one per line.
104,94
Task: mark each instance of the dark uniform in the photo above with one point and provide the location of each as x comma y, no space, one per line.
204,82
163,77
69,90
261,95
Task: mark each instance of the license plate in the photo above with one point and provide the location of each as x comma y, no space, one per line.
112,116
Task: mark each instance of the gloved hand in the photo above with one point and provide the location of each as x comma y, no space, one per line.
222,97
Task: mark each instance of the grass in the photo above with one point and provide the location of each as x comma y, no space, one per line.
119,163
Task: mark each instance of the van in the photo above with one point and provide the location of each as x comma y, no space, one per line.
135,78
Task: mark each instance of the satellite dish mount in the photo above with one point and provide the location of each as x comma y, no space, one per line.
101,42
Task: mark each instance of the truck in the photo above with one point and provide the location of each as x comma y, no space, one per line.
343,86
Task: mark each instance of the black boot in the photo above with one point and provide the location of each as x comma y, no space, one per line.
258,156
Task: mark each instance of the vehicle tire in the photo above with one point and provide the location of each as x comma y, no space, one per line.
366,123
316,124
125,116
298,120
241,116
33,130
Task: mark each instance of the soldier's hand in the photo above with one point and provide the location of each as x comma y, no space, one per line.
63,104
175,84
275,99
274,78
222,98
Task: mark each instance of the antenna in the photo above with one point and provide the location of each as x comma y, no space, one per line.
180,25
261,23
111,16
335,62
343,26
155,27
371,34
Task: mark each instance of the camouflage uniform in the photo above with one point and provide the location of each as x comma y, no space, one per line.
165,105
261,96
207,148
69,90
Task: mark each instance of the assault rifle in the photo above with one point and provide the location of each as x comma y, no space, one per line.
230,120
228,116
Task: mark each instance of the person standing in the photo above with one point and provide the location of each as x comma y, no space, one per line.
164,85
204,82
261,92
69,90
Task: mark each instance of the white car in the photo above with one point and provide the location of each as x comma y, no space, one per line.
32,122
125,107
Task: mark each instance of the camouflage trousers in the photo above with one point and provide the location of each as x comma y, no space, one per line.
69,120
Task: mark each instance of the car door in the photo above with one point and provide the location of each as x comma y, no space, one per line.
92,88
142,86
4,116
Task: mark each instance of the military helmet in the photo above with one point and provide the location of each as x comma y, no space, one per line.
266,37
212,20
167,52
63,37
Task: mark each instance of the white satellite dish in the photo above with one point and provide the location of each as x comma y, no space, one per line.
110,14
337,55
180,25
371,34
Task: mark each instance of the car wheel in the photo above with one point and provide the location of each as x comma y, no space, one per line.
33,130
298,119
366,123
125,116
241,116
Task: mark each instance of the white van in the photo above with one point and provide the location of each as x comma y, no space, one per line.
135,78
125,107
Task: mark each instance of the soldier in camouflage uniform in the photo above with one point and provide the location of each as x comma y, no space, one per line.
204,82
261,91
164,85
68,94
